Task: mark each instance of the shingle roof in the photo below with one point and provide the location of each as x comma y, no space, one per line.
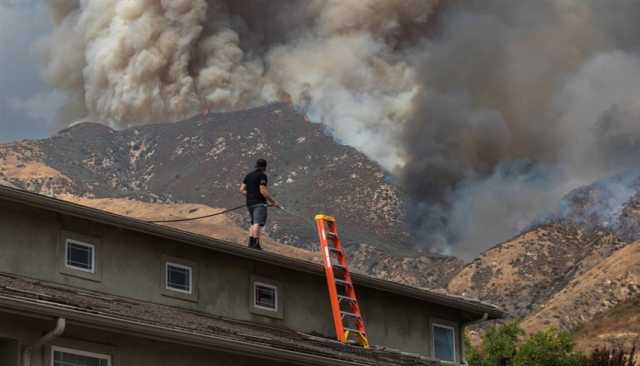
93,309
471,306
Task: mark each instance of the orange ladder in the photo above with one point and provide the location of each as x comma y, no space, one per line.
347,317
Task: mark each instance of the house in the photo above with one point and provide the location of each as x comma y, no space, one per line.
80,286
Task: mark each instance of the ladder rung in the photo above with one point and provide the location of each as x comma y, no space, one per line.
343,283
334,249
346,298
332,235
337,265
354,331
346,313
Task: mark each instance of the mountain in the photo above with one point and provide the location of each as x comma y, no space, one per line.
523,273
200,162
618,326
575,268
612,204
203,160
593,293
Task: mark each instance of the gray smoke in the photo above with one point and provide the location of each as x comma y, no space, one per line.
521,102
489,111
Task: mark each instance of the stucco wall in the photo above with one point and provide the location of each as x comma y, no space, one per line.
123,350
131,265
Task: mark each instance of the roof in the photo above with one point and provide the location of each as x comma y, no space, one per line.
30,297
471,306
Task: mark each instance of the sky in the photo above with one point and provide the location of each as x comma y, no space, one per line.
27,104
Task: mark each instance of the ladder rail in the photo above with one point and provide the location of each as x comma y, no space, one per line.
328,234
328,268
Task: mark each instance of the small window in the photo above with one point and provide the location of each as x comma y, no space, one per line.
179,277
444,346
69,357
80,256
265,296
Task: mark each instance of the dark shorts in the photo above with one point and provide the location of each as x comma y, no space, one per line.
258,214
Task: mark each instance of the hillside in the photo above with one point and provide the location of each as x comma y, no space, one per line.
612,203
523,273
203,160
618,326
614,281
575,270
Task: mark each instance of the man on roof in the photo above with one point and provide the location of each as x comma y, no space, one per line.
254,187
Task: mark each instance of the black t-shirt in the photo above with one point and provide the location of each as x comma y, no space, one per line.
253,181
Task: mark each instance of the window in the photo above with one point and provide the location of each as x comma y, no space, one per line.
179,277
265,296
444,344
8,351
80,256
69,357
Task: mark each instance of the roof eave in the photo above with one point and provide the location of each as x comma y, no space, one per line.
42,309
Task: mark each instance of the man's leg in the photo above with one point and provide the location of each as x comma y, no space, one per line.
257,237
252,229
260,219
254,236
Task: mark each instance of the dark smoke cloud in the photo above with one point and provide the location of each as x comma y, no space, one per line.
520,104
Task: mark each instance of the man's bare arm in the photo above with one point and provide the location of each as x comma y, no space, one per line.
243,189
264,191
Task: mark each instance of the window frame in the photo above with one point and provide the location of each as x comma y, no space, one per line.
181,266
99,356
453,328
83,244
276,297
178,294
85,239
254,308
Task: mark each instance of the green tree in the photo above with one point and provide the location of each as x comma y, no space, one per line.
548,348
502,345
498,343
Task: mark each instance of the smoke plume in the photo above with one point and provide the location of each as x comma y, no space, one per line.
138,61
489,111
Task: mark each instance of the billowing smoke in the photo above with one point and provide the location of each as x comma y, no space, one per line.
489,111
521,102
135,61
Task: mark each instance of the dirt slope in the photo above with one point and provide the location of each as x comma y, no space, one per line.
524,272
619,326
21,164
598,290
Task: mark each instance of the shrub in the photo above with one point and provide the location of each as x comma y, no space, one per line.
501,347
548,348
